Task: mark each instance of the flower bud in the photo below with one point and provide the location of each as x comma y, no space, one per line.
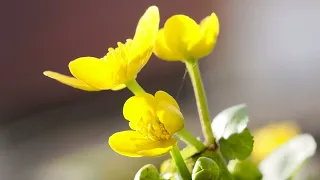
205,169
147,172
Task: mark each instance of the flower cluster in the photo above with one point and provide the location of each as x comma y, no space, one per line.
119,65
156,122
153,119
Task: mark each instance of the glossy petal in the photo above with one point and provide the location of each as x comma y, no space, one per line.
70,81
163,96
162,51
133,144
138,106
209,33
124,143
161,144
170,117
93,71
181,32
119,61
159,151
147,28
118,87
144,39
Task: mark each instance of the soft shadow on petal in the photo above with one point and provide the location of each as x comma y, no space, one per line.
163,96
118,87
170,117
144,40
139,105
180,31
210,25
157,144
124,143
93,71
147,27
162,51
159,148
209,33
70,81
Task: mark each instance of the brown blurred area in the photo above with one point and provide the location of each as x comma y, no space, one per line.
267,56
42,35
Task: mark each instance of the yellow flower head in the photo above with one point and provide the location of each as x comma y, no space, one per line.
183,39
270,137
120,65
153,120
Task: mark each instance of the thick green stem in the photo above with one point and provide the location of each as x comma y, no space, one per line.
200,95
190,140
134,87
181,165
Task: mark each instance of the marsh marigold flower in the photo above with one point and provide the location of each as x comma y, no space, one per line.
270,137
153,120
182,38
120,65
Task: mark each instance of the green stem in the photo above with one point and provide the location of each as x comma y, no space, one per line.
200,95
134,87
181,165
190,140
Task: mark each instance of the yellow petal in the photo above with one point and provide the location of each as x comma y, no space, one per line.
210,25
133,144
159,148
147,28
163,96
270,137
119,62
209,33
93,71
138,106
180,32
162,51
149,144
70,81
124,143
144,40
118,87
170,117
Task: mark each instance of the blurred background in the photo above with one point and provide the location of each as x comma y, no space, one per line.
267,56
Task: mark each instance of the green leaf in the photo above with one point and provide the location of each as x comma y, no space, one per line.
237,146
286,159
230,121
244,170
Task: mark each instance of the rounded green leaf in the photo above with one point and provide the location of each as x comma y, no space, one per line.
237,146
230,121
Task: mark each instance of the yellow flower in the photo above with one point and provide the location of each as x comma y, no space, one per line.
153,120
183,39
270,137
120,65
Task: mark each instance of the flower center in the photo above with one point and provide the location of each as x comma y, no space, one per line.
153,129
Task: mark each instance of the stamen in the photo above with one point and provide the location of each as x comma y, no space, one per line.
152,129
141,139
